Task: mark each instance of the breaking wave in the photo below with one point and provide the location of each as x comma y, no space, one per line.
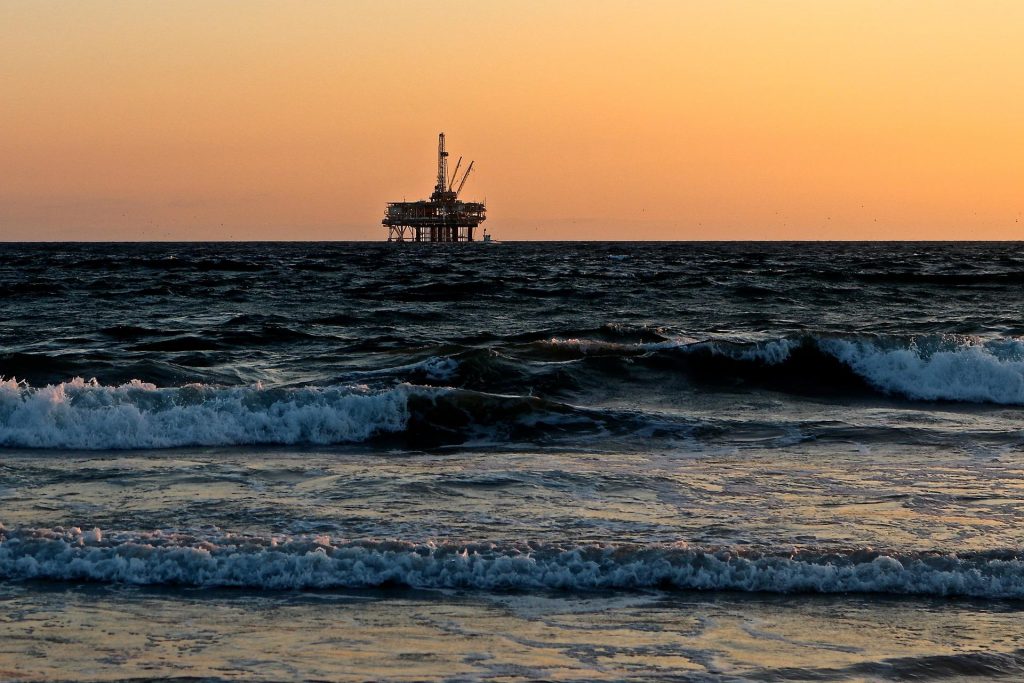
961,369
946,368
88,415
295,563
930,368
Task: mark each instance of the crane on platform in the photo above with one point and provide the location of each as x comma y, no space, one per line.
451,182
464,178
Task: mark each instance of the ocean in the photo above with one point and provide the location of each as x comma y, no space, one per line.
511,461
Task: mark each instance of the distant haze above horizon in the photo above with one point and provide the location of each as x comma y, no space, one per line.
213,120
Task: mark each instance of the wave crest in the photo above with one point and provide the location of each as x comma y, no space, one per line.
966,370
162,558
930,368
942,367
88,415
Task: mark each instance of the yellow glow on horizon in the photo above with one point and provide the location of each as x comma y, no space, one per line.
658,120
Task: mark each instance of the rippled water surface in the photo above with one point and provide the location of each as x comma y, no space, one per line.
511,461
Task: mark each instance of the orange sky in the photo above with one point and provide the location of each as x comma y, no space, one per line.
670,119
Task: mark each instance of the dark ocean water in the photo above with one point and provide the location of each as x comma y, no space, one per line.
548,431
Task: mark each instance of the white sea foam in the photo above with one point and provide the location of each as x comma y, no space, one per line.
88,415
158,558
945,368
964,371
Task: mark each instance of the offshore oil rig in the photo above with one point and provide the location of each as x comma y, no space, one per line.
443,217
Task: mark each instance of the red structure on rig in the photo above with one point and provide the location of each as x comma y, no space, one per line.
443,217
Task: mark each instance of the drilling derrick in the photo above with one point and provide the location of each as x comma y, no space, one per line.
442,218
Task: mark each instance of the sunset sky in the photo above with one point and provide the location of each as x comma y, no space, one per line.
803,119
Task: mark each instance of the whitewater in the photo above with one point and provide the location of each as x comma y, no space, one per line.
302,563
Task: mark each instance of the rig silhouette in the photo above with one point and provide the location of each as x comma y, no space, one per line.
442,218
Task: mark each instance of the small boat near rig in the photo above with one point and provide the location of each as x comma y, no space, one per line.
442,218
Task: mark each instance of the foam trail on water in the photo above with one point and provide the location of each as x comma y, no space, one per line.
87,415
161,558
